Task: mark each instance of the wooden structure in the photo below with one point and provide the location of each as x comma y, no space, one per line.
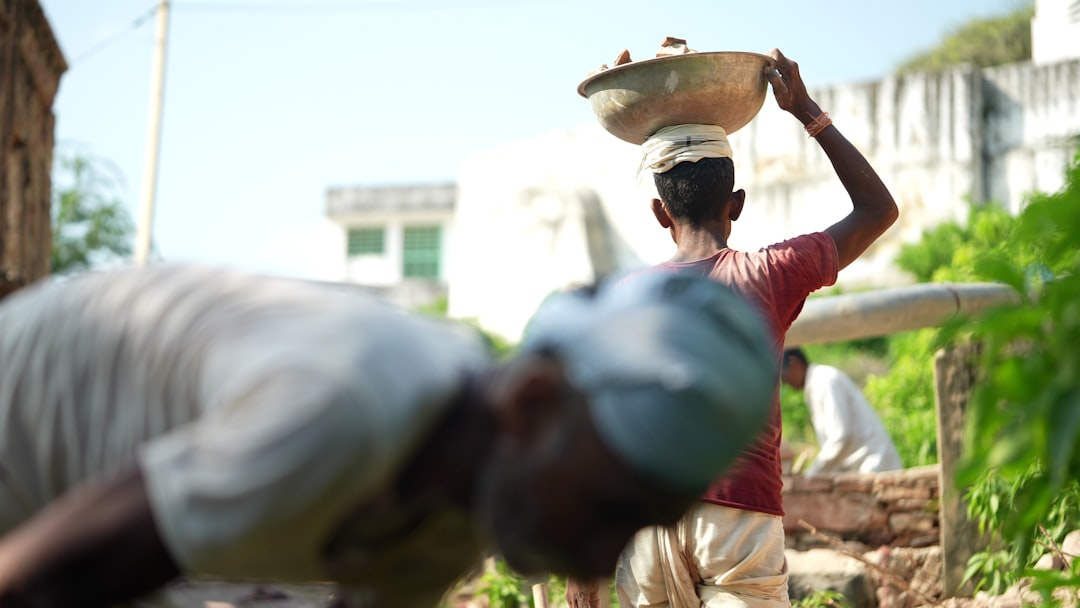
31,64
955,376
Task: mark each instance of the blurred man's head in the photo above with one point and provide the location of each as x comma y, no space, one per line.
793,368
622,407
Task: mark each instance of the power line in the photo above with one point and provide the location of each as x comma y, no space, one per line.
136,24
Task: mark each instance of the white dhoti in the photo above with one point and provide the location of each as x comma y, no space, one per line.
715,556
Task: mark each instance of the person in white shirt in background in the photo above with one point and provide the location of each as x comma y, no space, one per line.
850,435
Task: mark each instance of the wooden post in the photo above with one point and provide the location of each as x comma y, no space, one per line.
30,68
144,231
539,593
954,379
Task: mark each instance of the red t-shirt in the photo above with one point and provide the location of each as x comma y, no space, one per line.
776,280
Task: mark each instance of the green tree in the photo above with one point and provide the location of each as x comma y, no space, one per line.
1021,457
1022,442
89,222
948,251
822,598
981,42
904,397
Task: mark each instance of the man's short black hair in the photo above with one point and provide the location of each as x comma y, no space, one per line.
795,353
691,189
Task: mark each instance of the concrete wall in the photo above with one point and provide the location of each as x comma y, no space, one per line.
1032,128
544,214
565,207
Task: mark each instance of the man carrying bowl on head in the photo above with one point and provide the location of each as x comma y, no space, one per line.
728,549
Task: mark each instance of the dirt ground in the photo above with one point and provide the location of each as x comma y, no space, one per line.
205,593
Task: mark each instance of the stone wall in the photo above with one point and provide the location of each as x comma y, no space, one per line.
897,508
30,67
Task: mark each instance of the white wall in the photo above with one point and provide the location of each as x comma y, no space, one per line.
1032,128
1055,31
541,214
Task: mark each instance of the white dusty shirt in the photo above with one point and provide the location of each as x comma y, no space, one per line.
850,435
261,411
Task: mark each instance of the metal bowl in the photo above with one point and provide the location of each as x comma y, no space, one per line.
635,100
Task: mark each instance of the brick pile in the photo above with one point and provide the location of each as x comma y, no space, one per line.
897,508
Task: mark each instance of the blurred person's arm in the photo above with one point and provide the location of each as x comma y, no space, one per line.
583,594
98,545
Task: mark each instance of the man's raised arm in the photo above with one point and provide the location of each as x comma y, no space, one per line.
874,209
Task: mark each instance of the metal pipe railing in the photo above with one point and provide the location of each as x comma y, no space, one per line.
890,310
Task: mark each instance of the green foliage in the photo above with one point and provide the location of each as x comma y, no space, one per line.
948,251
904,398
981,43
795,417
1026,410
990,501
500,347
935,251
556,590
822,599
503,588
89,222
1020,455
1023,420
437,308
993,571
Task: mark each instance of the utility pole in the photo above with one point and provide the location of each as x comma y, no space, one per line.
145,230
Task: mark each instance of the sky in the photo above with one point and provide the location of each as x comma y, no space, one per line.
268,103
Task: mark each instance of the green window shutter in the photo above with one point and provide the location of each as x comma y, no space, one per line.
366,241
422,245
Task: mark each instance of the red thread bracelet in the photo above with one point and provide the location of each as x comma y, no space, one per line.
819,124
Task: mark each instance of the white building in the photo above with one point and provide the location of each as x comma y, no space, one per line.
1055,31
396,239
